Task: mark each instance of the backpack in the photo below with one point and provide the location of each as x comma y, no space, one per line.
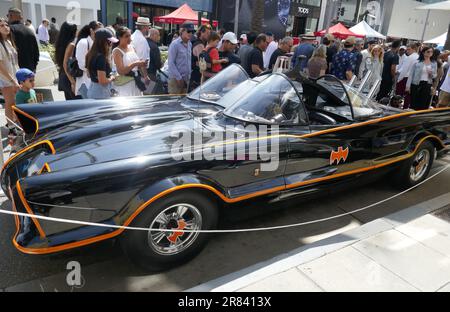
204,60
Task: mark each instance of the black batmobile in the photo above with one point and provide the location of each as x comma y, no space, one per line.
170,162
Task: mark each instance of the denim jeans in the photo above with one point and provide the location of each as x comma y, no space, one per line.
98,92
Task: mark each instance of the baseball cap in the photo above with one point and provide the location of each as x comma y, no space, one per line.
230,36
104,33
403,47
24,74
15,10
189,26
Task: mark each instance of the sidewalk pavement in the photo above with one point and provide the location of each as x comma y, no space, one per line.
405,251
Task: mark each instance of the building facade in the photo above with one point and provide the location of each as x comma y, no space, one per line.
280,16
124,11
394,18
80,12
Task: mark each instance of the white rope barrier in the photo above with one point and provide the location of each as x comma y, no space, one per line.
7,212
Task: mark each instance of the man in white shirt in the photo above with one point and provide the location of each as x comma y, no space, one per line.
404,72
444,95
273,45
139,38
43,35
402,55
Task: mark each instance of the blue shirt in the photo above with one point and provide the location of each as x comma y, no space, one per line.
180,55
305,49
343,62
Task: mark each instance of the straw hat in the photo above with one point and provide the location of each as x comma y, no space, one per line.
143,21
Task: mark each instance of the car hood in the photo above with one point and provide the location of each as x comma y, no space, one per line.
109,133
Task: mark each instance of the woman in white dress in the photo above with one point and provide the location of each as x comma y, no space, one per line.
128,65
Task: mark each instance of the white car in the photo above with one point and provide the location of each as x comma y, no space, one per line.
46,71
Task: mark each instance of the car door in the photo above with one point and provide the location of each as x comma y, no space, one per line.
335,146
260,149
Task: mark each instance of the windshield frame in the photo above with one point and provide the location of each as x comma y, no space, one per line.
200,99
268,123
343,87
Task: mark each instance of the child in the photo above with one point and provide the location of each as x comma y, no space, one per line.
26,94
212,57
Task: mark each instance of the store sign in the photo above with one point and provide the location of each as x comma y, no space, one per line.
303,11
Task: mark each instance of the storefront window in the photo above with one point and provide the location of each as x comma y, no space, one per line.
116,12
304,17
368,10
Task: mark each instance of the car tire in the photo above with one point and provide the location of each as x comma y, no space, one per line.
151,250
417,168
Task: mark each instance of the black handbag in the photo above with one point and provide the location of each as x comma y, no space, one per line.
74,68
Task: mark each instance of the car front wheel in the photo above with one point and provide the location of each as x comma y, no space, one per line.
155,250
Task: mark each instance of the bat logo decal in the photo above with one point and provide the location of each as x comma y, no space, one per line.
179,231
340,155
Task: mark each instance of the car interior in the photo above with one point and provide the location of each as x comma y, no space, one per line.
323,108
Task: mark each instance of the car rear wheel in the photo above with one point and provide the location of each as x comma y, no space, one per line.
417,168
155,250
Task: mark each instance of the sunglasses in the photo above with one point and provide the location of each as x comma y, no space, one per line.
190,31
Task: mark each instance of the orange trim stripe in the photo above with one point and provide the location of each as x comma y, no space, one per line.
44,169
215,191
28,208
17,110
52,148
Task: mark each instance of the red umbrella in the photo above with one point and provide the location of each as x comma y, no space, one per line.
338,31
181,15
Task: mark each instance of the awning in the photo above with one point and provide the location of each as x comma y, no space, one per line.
338,31
181,15
364,29
440,41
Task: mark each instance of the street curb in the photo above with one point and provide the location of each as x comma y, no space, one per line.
253,274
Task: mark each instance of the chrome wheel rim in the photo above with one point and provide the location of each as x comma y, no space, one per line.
420,165
180,218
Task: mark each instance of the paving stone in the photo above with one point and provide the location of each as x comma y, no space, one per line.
421,266
289,281
430,231
349,270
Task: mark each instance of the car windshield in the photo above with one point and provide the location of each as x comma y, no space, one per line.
215,88
272,101
363,107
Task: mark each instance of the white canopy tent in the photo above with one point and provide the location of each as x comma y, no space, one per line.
440,41
439,6
444,6
364,29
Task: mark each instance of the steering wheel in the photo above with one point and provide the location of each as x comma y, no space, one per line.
321,118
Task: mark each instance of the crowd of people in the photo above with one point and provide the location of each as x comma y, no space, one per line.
97,62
